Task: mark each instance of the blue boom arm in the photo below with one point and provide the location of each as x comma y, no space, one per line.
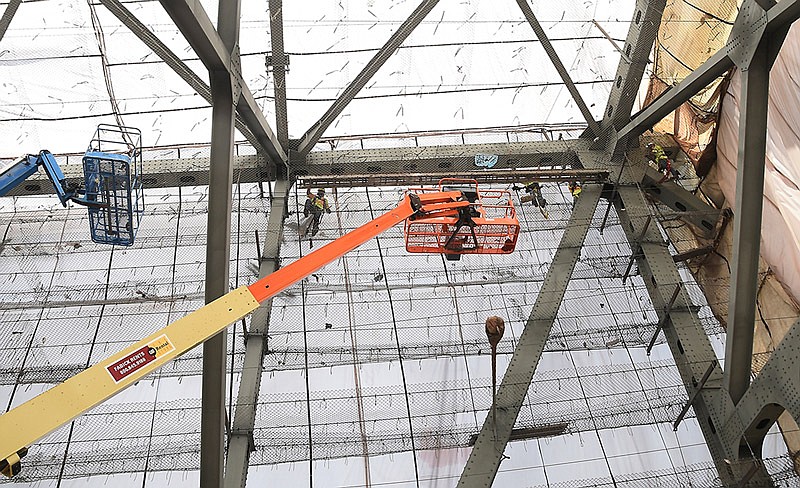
26,166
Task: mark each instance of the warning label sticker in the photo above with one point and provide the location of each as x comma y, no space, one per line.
141,357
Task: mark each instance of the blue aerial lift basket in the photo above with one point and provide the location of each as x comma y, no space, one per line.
112,169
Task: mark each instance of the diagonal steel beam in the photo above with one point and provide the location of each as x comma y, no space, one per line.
562,71
709,71
406,28
641,35
193,22
688,342
778,17
162,51
8,14
485,458
241,436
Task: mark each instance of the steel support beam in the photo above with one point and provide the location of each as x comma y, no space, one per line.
427,159
162,51
241,437
777,19
747,225
562,71
194,24
693,210
685,336
485,458
638,45
754,62
164,173
431,179
406,28
8,14
212,424
279,63
224,95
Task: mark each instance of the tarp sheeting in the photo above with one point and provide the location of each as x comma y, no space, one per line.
780,238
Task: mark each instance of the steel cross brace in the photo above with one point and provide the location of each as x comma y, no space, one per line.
162,51
194,23
314,133
240,447
687,340
485,458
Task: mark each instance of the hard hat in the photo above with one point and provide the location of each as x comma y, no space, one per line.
650,144
321,191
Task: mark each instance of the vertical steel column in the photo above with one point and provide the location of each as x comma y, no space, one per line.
220,189
241,437
279,71
217,265
747,222
485,458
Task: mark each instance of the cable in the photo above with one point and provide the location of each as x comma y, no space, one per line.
399,352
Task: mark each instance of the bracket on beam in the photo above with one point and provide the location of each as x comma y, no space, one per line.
638,251
663,321
251,441
280,61
697,390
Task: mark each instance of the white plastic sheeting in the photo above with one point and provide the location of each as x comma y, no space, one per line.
780,237
467,65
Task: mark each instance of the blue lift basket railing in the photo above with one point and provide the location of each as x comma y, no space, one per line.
112,169
112,182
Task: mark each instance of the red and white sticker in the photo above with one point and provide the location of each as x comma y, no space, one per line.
140,358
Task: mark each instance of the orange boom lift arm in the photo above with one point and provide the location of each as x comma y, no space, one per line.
34,419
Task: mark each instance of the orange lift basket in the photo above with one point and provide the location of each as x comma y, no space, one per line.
487,225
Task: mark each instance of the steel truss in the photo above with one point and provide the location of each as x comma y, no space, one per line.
733,415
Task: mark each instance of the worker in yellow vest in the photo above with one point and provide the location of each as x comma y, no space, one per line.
574,190
314,207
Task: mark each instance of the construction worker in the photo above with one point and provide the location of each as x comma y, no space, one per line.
574,190
534,195
656,155
314,207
